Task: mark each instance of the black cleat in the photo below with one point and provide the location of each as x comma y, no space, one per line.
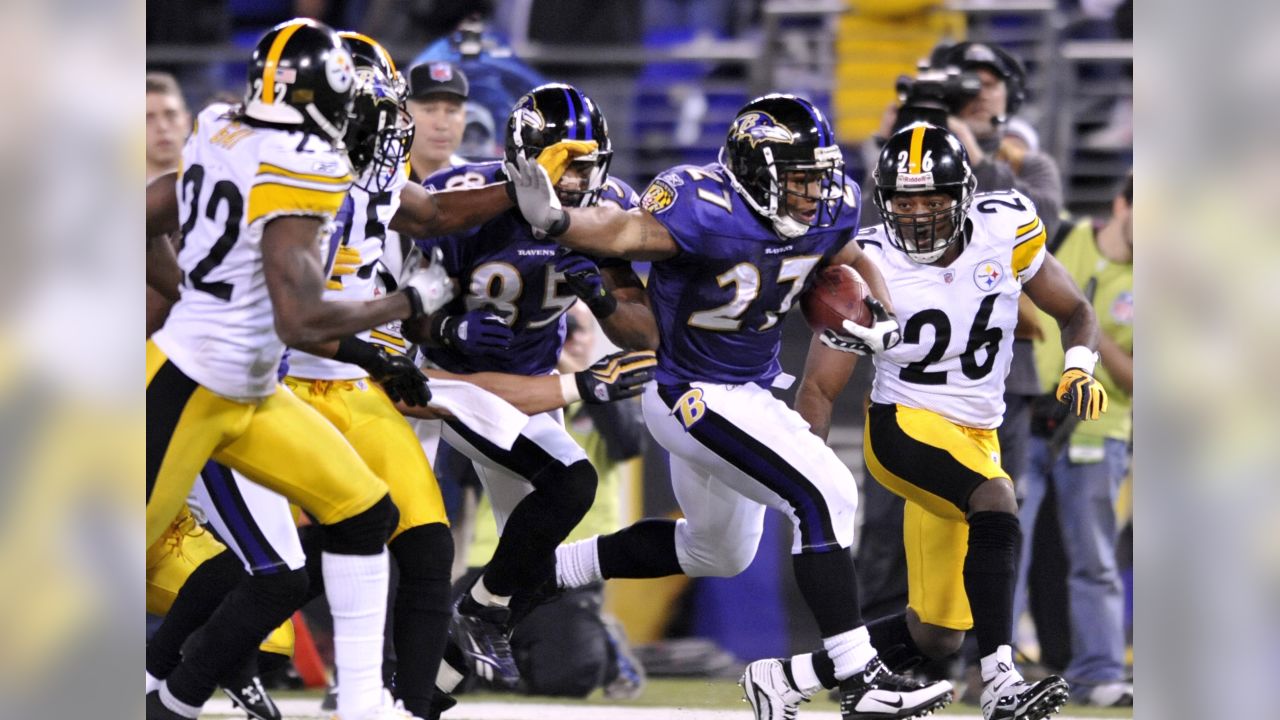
1021,700
253,699
157,710
874,693
484,635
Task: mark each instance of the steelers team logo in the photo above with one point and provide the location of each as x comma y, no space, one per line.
987,275
658,197
339,70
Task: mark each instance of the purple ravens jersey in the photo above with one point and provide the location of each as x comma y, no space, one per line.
502,267
719,302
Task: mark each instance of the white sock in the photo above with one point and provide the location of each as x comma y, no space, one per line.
448,678
806,677
578,563
153,683
850,651
481,594
356,587
998,663
176,705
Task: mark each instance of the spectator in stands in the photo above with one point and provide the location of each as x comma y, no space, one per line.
1086,463
168,123
570,646
438,103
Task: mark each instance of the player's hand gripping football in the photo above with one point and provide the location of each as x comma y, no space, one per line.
1080,392
428,287
617,376
584,280
535,196
882,335
479,332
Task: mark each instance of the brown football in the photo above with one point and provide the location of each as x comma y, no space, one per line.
837,295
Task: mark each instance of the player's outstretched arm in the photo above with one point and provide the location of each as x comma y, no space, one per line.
826,372
1053,291
295,280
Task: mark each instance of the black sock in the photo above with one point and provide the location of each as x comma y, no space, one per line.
990,570
424,555
829,585
195,603
822,667
646,549
246,616
892,640
540,522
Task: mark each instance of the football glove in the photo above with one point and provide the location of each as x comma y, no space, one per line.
428,287
617,376
479,332
398,376
882,335
535,197
346,261
584,280
555,158
1084,395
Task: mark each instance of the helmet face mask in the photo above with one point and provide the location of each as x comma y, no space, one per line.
380,133
924,187
301,75
782,159
551,113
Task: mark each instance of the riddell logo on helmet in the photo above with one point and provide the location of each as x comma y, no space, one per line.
915,181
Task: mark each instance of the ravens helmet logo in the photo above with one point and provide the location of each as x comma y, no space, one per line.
758,127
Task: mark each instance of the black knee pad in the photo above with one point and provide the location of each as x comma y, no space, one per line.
574,490
365,533
423,554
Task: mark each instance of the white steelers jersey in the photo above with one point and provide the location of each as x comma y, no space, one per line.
957,321
234,179
360,236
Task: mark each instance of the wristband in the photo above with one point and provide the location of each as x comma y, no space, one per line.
569,388
416,308
602,306
437,329
560,226
1081,357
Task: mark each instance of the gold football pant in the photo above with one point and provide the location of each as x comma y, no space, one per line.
278,442
934,464
382,437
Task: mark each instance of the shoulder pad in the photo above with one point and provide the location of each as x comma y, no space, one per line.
1003,211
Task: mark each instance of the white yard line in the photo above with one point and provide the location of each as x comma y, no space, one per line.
309,709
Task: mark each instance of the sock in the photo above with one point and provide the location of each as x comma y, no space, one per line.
153,682
646,549
829,586
449,675
998,664
800,672
850,651
990,570
481,594
174,704
356,587
578,563
825,669
892,639
420,622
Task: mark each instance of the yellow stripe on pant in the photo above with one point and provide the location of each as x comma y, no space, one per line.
368,419
278,442
934,464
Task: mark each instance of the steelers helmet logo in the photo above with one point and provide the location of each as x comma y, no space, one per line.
987,274
339,70
658,197
757,127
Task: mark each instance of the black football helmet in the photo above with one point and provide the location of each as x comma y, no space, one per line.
924,158
381,130
554,112
778,134
970,55
301,75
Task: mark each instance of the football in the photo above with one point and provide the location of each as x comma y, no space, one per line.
837,295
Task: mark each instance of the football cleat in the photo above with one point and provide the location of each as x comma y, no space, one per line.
484,636
767,690
874,693
1009,697
157,710
253,699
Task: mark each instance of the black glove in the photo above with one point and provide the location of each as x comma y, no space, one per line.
617,376
398,376
584,280
479,332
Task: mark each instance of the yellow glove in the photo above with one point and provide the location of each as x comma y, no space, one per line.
345,262
1082,394
555,158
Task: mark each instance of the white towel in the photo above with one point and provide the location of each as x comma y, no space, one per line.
484,413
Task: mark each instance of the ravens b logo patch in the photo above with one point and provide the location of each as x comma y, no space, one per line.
658,197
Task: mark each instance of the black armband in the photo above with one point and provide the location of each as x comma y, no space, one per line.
559,227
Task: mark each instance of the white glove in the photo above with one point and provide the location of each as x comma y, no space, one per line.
535,196
428,287
882,335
